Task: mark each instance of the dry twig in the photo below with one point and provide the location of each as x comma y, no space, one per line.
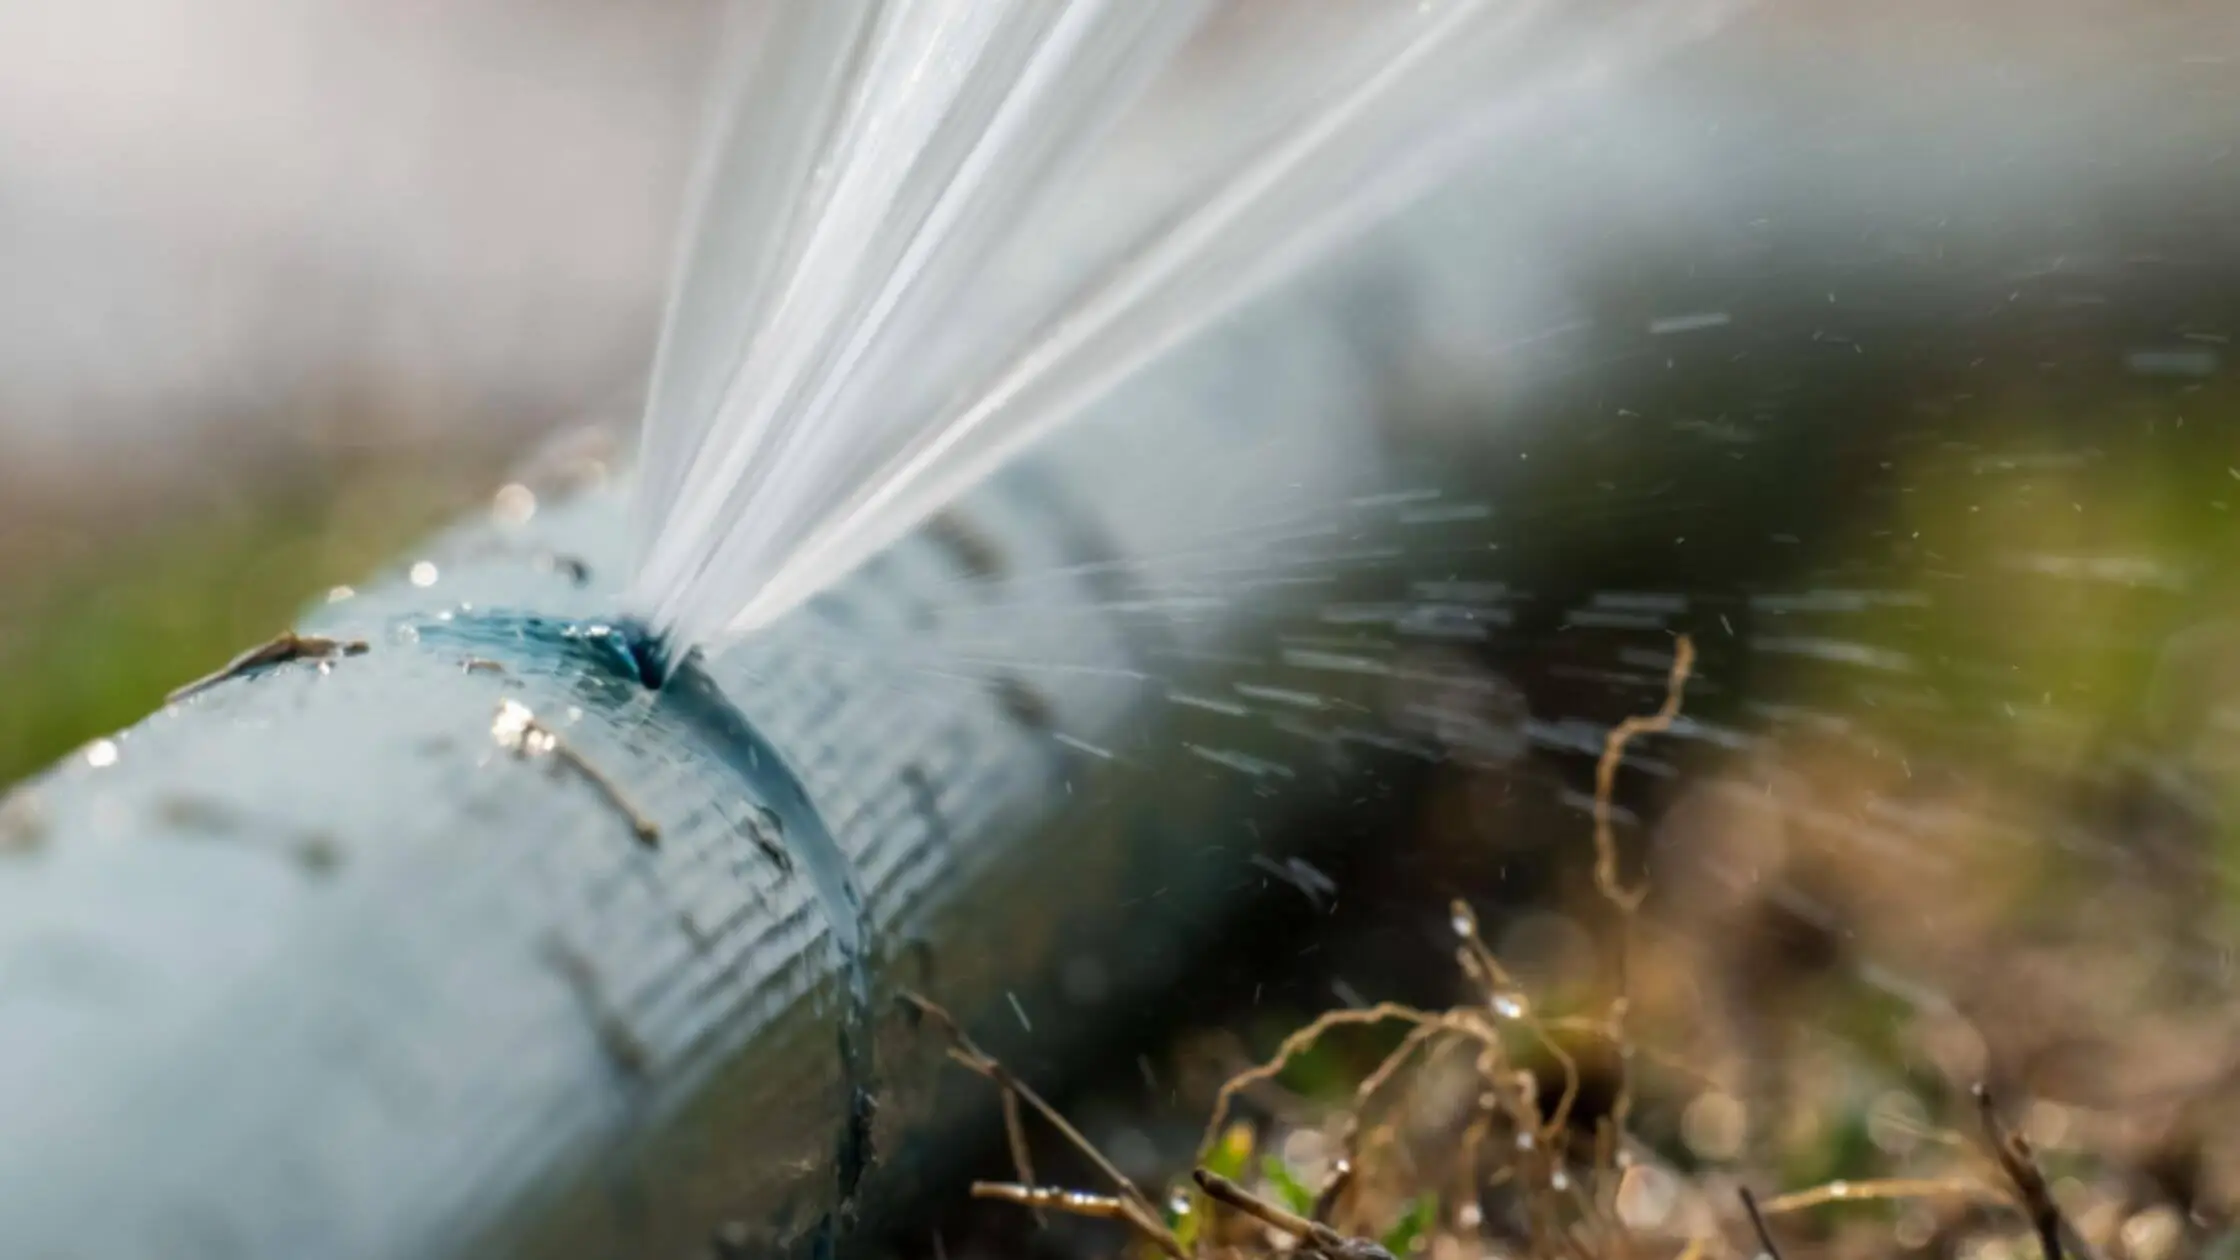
1315,1238
279,650
1131,1204
1874,1191
1758,1224
1103,1207
1293,1046
2012,1151
1628,901
1606,775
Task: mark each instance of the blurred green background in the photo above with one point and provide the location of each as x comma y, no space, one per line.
101,625
285,285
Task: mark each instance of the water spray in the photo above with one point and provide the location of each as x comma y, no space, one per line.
565,919
994,238
475,942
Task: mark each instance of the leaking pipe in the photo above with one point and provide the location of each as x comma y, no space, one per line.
466,942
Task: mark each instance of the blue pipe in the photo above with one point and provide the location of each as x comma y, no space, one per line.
474,944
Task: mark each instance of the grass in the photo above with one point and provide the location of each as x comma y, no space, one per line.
97,645
1494,1127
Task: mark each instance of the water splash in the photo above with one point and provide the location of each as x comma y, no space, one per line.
929,231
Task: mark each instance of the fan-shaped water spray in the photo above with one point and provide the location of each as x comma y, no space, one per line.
928,232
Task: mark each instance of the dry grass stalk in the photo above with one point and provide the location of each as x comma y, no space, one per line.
2020,1164
1770,1249
1560,1215
1888,1189
1315,1238
1298,1043
1627,901
1130,1204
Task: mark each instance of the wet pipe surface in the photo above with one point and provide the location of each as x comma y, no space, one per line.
605,654
616,1008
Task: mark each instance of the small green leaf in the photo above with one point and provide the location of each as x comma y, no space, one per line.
1295,1194
1413,1225
1232,1153
1182,1217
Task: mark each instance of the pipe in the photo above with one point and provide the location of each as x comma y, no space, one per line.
473,945
469,943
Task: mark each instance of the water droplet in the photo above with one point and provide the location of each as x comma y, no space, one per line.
1508,1006
2154,1234
512,725
337,594
514,504
1463,927
1715,1125
1647,1197
1525,1140
424,574
101,753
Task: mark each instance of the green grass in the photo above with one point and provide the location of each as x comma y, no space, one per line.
96,646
